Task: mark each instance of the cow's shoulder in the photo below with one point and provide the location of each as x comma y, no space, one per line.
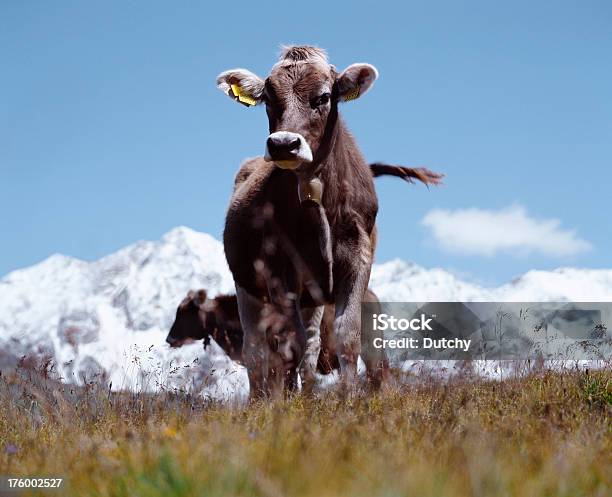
249,186
242,237
253,172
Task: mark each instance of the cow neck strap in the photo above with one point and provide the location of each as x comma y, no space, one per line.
310,191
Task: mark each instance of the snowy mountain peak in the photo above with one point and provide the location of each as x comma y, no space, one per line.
184,232
94,316
195,240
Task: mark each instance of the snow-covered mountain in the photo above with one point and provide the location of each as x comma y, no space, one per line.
399,281
113,315
110,317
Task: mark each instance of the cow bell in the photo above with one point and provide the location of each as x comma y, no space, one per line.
310,192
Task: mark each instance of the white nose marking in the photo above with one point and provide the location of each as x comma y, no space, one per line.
302,154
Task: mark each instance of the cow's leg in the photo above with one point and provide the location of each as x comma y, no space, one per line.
375,359
347,323
255,350
276,378
312,320
292,380
328,358
286,340
294,339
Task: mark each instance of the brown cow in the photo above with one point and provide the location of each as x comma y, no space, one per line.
300,229
199,318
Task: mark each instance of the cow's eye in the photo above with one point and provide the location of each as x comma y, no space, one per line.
320,100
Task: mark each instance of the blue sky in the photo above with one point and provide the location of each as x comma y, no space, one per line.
112,130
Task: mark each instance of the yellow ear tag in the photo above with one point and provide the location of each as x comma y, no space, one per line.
242,97
352,95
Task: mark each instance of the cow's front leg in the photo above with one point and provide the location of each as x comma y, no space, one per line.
276,376
292,380
347,322
286,337
291,338
255,350
312,320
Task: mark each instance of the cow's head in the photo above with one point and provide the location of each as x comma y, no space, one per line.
301,95
190,321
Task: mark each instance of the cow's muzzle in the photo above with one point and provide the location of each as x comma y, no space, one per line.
177,342
287,150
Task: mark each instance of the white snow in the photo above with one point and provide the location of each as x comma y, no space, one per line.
399,281
113,315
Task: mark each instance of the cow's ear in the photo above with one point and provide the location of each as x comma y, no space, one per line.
188,298
199,298
241,85
355,80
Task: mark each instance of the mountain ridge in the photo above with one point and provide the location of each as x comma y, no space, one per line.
109,317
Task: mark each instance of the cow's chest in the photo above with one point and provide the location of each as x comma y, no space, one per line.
271,239
296,246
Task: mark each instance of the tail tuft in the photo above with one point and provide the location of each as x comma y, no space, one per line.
408,174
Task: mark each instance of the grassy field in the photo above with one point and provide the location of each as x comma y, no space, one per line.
548,434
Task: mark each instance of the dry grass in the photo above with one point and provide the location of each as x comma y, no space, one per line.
548,434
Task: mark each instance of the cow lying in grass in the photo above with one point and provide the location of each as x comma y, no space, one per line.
199,318
300,229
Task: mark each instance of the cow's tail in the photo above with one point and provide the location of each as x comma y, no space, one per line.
408,174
